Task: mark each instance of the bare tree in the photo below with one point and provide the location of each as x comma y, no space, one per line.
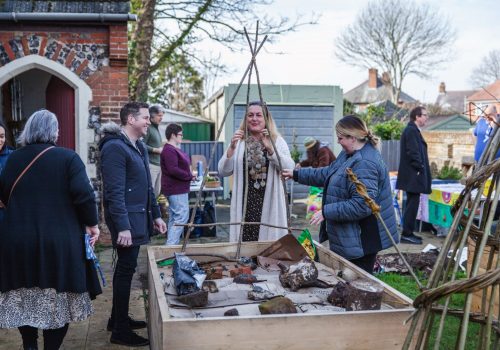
488,71
179,25
399,37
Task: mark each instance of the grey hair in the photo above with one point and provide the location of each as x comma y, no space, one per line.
41,127
155,110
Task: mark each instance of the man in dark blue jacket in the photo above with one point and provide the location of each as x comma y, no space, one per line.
130,210
414,175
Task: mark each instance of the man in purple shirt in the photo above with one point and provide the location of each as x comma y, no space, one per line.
176,177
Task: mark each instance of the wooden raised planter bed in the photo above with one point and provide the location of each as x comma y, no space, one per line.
381,329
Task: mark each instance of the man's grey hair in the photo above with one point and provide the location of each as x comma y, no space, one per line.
155,110
41,127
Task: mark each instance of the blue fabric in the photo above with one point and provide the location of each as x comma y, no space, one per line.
178,213
344,207
4,155
483,132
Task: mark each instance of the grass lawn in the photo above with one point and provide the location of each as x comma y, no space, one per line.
407,286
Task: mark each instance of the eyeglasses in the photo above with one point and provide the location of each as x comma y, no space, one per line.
180,134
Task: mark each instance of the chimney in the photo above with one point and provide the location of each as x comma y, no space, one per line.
372,78
386,78
442,88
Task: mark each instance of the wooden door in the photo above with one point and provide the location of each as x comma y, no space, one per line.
60,100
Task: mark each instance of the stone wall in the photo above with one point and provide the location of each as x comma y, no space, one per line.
450,146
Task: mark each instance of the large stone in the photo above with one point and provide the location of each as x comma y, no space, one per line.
279,305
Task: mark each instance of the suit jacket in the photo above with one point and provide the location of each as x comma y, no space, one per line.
414,173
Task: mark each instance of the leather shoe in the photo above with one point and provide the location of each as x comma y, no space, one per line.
128,339
134,324
411,239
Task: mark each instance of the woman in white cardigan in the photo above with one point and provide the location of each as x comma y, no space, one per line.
266,198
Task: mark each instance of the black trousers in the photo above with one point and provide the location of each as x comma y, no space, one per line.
366,262
52,338
410,212
122,281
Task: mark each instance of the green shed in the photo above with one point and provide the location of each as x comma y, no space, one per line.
456,122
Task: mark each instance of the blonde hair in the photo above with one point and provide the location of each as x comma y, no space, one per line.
271,128
351,125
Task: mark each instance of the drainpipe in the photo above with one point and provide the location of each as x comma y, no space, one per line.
66,17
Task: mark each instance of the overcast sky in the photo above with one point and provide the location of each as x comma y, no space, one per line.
309,53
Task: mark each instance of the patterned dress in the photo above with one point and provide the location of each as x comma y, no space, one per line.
254,205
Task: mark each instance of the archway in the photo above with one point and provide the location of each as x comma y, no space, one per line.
82,96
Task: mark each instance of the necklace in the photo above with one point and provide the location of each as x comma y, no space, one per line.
256,160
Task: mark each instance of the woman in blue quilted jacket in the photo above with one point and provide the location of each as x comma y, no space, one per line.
347,222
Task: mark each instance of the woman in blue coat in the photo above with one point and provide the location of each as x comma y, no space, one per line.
352,229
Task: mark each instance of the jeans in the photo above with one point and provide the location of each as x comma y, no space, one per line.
122,281
155,171
178,213
410,212
52,338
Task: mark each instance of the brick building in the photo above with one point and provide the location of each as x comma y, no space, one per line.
69,57
477,102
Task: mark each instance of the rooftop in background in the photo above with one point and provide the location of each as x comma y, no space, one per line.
375,89
456,122
55,6
453,101
489,93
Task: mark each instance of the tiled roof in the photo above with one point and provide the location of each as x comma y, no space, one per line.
485,94
363,94
454,101
110,6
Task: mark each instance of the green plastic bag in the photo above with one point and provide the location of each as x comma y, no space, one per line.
306,241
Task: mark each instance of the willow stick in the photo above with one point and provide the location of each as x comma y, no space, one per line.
219,132
245,153
375,208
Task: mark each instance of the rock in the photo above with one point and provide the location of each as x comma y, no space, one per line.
279,305
210,286
245,279
196,299
259,293
232,312
240,270
361,294
302,274
215,273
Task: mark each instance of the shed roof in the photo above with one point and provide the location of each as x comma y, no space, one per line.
456,122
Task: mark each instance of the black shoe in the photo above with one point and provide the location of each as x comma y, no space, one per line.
411,239
134,324
128,339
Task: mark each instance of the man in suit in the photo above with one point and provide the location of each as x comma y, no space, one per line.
414,175
130,210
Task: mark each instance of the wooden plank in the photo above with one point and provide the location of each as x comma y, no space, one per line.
353,330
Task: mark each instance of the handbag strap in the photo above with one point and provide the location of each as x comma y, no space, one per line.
27,168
